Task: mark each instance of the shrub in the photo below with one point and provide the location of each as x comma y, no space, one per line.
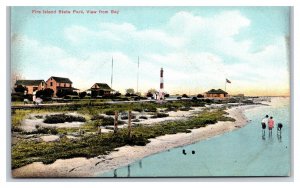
185,96
150,109
97,117
126,116
63,93
186,108
160,115
61,118
46,130
110,112
107,121
149,94
137,109
45,94
16,129
82,94
39,116
17,97
71,97
20,89
200,96
117,94
143,117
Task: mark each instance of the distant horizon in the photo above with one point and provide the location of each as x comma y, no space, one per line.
196,46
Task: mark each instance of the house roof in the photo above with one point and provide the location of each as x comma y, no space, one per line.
29,82
102,86
61,79
218,91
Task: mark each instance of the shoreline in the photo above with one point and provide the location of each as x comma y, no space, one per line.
93,167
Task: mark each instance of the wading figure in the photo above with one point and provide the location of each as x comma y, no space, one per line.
279,127
264,123
270,125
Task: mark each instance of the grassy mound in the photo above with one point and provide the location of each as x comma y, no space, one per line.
62,118
160,115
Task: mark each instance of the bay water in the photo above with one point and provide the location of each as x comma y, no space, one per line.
242,152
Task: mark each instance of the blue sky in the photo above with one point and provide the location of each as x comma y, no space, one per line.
198,47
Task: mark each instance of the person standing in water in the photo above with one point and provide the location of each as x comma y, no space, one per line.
270,125
264,123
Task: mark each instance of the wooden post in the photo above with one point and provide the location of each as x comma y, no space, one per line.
99,130
129,123
116,122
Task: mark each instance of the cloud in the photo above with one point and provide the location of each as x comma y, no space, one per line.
196,52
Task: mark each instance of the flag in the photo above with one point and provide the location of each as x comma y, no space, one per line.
228,81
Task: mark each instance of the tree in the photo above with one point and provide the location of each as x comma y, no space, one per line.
46,93
200,96
149,94
138,93
117,94
62,93
130,91
82,94
167,95
20,89
185,96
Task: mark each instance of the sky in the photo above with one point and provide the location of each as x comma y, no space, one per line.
198,47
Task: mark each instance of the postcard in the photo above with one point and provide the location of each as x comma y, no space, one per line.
114,92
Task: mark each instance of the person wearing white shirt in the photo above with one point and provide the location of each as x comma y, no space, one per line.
264,123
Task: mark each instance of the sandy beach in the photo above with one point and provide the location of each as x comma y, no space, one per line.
82,167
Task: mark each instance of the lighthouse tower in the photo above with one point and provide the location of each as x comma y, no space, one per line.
161,95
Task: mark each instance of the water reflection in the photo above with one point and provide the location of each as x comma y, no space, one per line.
279,137
115,173
140,164
128,171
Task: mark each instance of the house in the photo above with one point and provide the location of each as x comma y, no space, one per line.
213,93
31,85
100,89
60,84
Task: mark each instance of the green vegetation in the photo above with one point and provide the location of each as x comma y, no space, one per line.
62,118
143,117
159,115
25,152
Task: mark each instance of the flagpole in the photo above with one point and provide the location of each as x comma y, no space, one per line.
225,84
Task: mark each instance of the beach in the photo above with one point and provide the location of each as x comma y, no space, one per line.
82,167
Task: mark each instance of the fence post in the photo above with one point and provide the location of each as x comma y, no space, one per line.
116,122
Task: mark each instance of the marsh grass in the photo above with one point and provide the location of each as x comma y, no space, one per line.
25,152
62,118
160,115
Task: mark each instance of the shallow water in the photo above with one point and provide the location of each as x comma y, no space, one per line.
243,152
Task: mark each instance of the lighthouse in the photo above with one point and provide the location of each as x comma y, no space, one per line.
161,95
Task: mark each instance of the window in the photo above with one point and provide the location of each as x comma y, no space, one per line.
65,85
51,84
35,88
